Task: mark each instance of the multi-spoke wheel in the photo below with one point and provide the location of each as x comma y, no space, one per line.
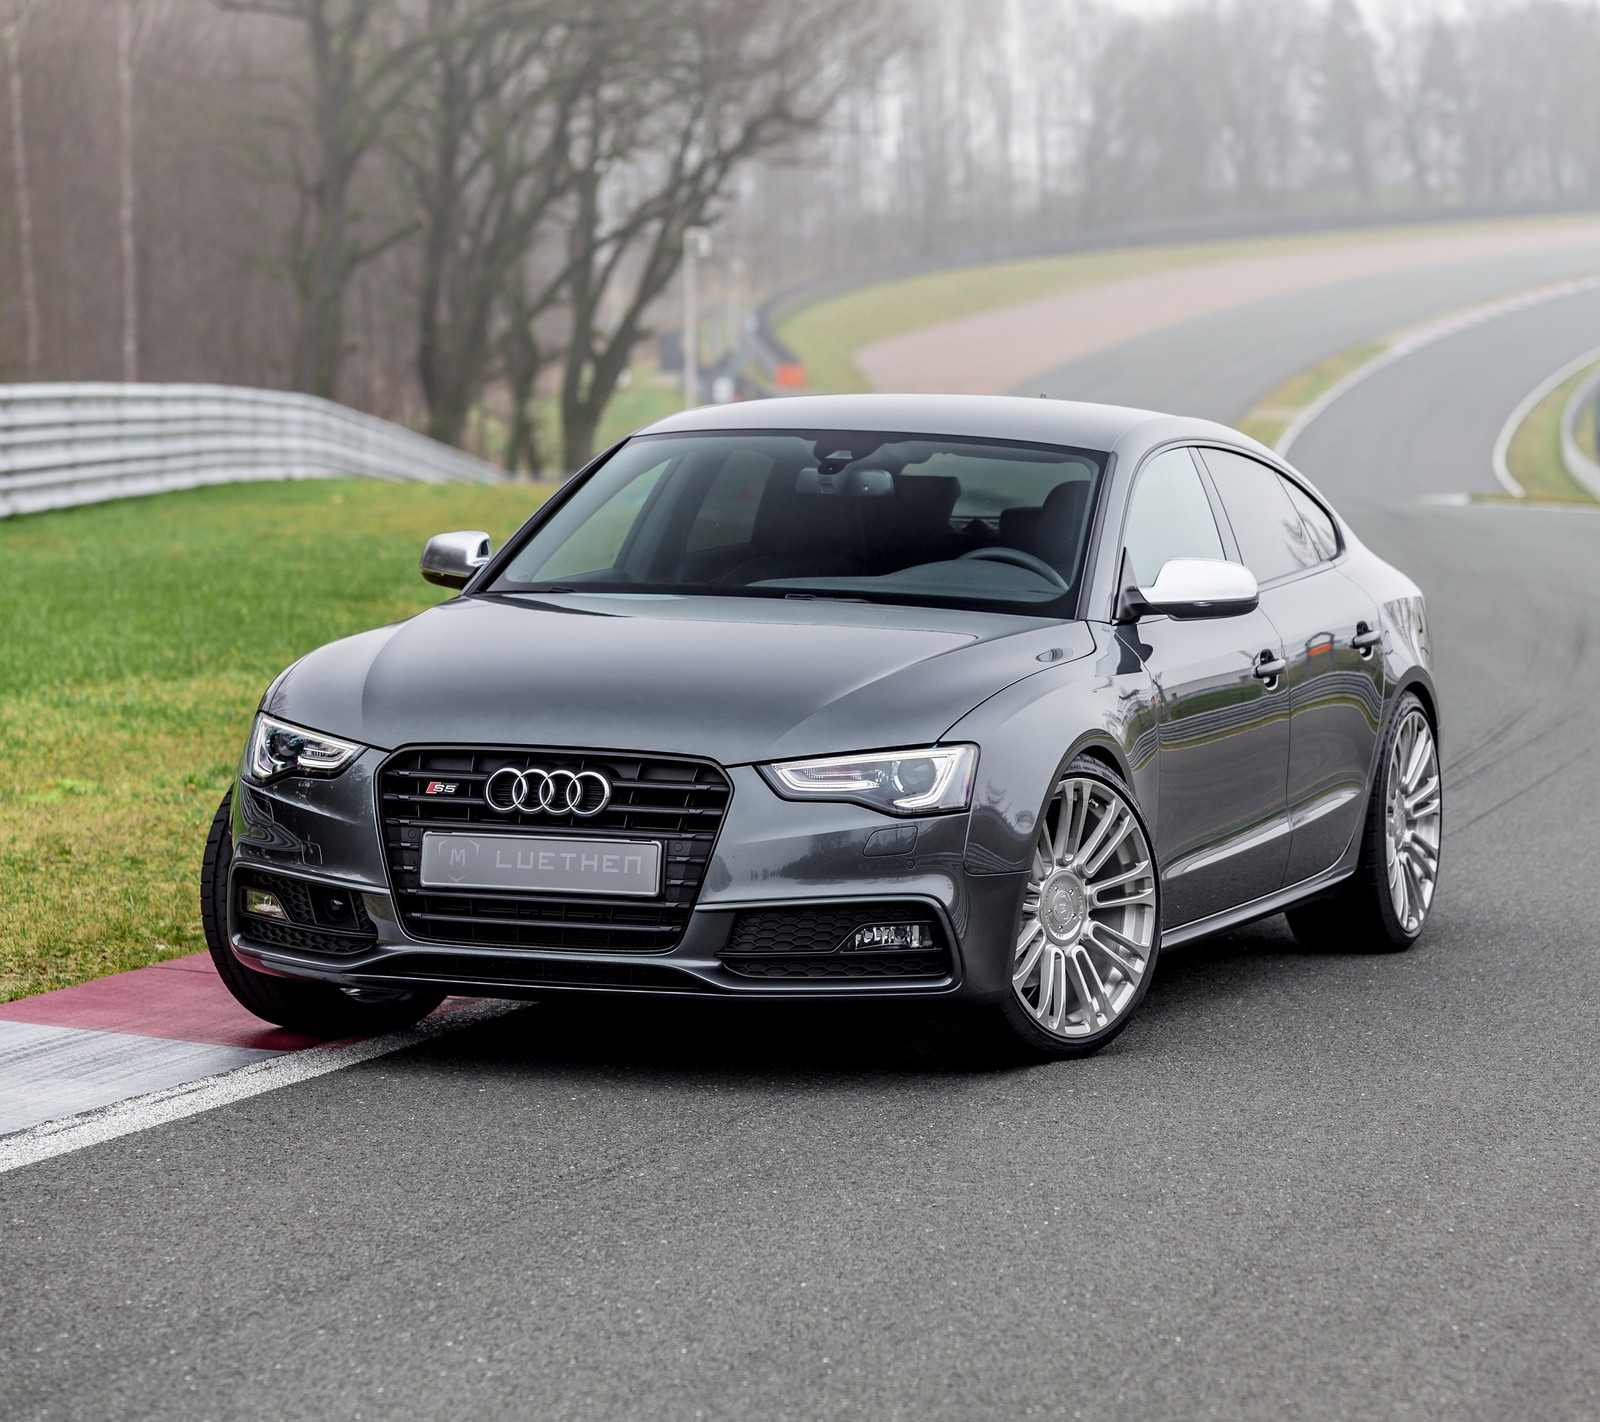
1385,904
1413,820
1089,928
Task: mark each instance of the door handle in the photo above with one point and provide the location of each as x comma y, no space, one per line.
1269,668
1365,639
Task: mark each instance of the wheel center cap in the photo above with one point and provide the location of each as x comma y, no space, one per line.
1063,906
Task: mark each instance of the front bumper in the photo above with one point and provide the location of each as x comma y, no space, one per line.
770,853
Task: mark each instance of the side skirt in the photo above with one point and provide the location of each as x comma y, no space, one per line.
1258,908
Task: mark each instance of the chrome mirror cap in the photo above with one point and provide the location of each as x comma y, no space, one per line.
1202,587
450,559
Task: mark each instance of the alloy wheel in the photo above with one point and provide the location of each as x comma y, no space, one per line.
1088,925
1413,821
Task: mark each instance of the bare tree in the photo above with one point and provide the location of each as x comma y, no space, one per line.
679,96
482,153
359,66
1348,94
13,32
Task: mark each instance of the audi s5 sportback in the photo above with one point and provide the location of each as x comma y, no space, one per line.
986,700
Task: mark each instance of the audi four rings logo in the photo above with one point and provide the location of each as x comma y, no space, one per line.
583,793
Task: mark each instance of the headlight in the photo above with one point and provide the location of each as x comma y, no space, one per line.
278,749
911,782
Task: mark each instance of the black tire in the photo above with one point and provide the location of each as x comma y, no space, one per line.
1007,1031
315,1009
1359,916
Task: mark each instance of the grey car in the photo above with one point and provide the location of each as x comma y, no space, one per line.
975,700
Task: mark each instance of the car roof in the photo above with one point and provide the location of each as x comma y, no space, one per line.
1039,421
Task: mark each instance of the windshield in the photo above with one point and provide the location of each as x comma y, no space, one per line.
878,517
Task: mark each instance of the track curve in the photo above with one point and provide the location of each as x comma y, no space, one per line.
1299,1186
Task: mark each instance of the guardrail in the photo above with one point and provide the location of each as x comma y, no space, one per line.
62,445
1579,465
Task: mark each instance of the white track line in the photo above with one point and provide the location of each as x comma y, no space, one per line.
140,1113
1414,340
1502,444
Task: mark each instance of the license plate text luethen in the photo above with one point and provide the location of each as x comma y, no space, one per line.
527,864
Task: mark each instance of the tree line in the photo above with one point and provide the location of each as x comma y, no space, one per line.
1025,121
434,208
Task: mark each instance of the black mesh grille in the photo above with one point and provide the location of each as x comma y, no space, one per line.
818,930
680,803
852,965
809,943
307,940
470,968
327,919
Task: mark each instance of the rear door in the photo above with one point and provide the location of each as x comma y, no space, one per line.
1221,813
1335,674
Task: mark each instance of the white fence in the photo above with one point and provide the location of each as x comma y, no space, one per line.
79,444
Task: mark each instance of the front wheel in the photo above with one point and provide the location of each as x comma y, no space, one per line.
1089,929
1383,906
316,1009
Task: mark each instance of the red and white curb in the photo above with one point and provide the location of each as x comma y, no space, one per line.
107,1058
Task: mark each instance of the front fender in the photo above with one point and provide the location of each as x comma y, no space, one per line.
1106,704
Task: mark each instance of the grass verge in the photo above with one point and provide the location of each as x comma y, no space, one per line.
1271,415
1586,429
139,637
1534,456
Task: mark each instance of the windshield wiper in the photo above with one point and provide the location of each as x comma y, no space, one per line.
823,597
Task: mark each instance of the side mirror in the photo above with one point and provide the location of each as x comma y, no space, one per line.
450,559
1196,587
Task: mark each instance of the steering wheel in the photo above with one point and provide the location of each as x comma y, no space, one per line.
1019,559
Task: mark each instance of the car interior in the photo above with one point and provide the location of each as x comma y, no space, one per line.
841,515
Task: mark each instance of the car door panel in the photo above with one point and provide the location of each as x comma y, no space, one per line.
1336,694
1335,674
1222,829
1222,825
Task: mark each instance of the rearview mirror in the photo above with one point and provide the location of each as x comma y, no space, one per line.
1201,587
450,559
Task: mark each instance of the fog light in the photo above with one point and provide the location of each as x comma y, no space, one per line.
263,905
880,936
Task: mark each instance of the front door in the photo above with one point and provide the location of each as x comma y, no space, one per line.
1222,826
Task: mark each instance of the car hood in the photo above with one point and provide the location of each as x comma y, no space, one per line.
731,679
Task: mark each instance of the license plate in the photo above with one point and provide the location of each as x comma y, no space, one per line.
528,865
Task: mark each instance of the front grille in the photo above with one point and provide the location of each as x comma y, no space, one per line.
804,942
680,803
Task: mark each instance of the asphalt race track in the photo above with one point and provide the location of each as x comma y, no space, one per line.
1301,1185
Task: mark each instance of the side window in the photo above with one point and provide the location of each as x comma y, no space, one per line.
1272,539
1169,516
727,514
1324,537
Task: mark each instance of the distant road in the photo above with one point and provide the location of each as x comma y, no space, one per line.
1218,366
1300,1186
1243,317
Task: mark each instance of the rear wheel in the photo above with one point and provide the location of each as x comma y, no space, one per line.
1089,929
1384,905
317,1009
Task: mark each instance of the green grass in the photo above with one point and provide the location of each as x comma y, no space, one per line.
1586,429
1271,415
826,335
1534,456
138,637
